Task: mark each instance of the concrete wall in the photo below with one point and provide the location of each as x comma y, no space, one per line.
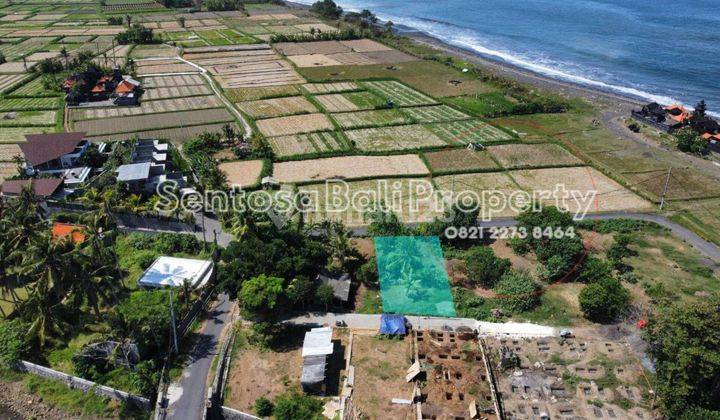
83,384
232,414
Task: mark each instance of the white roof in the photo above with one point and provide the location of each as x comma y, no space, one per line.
171,271
318,342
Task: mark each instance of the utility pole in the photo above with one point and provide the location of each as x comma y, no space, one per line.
665,188
172,322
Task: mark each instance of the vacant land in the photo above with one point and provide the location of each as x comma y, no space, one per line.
351,101
304,144
153,121
459,160
400,94
515,156
319,88
285,126
178,134
484,185
176,92
249,94
8,152
404,137
373,118
242,174
333,53
278,107
349,167
151,107
380,368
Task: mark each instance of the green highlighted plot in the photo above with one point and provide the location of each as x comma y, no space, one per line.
412,273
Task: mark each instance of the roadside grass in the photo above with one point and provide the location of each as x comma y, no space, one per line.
558,306
72,401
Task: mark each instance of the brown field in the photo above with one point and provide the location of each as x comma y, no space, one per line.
514,156
152,121
285,126
242,174
176,92
7,169
8,80
39,56
485,185
303,144
365,45
177,135
459,160
336,102
173,81
113,58
380,369
145,51
348,167
8,151
317,88
611,196
335,53
252,94
403,137
151,107
16,66
173,67
313,60
278,107
247,66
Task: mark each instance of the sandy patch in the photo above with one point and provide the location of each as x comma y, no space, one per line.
348,167
242,174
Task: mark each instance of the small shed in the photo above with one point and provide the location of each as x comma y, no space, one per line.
317,346
340,284
392,324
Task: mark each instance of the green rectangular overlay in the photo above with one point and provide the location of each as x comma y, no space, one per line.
413,279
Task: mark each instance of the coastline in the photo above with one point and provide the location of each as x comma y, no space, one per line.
606,98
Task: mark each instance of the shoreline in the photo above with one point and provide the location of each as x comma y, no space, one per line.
606,98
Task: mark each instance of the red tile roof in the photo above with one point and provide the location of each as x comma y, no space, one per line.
42,148
63,230
42,187
124,87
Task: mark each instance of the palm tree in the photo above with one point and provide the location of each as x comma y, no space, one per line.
337,240
44,321
65,55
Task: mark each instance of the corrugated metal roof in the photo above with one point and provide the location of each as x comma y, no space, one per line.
133,172
318,342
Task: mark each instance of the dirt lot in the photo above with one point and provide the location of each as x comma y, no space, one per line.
242,174
513,156
348,167
278,107
611,196
459,160
380,366
285,126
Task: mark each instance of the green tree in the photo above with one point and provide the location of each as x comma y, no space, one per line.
260,295
144,316
295,406
685,345
604,301
300,291
483,267
181,21
517,292
324,295
700,111
688,141
13,342
367,274
327,9
2,58
263,407
385,223
145,378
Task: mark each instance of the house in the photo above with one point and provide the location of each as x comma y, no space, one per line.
713,140
666,118
126,91
76,233
139,177
149,168
340,284
94,86
53,153
75,178
173,272
42,188
317,346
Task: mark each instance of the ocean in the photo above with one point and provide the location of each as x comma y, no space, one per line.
658,50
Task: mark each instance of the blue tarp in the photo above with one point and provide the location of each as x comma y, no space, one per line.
392,324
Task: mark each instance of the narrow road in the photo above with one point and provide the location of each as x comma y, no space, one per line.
186,397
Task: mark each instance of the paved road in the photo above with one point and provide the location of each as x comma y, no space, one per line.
186,398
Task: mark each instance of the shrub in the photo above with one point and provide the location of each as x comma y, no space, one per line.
634,127
517,292
170,243
13,344
296,406
484,267
263,407
327,9
469,305
222,5
595,270
367,274
604,301
137,34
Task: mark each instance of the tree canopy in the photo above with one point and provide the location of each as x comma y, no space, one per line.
483,267
604,300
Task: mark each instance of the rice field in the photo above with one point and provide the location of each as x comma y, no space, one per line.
470,131
17,134
400,94
12,51
278,107
251,94
285,126
242,174
351,101
487,187
435,114
35,88
403,137
8,152
151,107
348,167
459,160
373,118
152,121
7,169
320,88
305,144
9,80
177,134
28,104
172,81
176,92
412,199
515,156
26,118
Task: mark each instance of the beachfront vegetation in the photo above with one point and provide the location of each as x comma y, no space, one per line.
327,9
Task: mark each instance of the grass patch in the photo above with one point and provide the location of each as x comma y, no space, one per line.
371,302
73,401
483,104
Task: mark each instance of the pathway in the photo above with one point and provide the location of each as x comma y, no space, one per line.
187,396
